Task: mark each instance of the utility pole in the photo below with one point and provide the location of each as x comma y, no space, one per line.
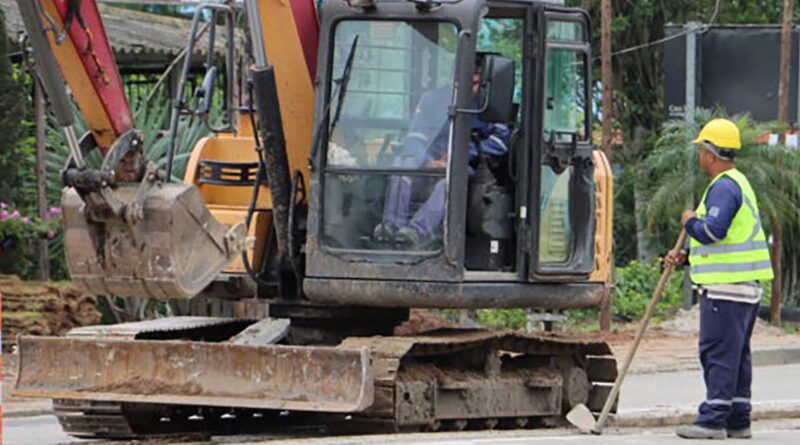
606,75
607,110
783,116
786,51
41,176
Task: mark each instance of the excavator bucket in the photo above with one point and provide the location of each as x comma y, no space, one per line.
174,251
278,377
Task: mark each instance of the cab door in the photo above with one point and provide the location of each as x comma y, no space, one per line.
562,183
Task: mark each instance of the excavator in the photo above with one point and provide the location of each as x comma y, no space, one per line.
321,131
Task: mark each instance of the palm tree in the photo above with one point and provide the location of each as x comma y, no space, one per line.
675,183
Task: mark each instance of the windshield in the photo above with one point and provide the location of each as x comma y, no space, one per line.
389,132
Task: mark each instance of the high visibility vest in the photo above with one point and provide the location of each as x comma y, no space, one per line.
743,254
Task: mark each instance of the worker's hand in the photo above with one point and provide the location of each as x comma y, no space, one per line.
687,215
675,258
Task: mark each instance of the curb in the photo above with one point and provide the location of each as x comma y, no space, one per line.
29,413
680,416
776,356
761,357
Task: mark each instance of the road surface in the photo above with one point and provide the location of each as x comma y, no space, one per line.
640,392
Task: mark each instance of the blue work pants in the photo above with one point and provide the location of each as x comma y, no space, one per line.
725,330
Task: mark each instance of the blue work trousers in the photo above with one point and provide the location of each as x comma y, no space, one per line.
426,219
725,329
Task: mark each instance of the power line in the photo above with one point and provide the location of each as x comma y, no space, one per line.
704,29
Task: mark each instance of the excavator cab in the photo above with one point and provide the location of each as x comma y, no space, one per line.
406,210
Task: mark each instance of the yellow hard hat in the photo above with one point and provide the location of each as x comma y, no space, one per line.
722,133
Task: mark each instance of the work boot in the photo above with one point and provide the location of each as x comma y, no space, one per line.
743,433
700,432
384,232
407,236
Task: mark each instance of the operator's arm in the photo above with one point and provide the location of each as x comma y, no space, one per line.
493,139
722,202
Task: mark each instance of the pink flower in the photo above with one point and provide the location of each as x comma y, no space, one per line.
14,215
26,220
51,234
3,205
55,210
3,214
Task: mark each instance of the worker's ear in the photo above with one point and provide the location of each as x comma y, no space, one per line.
497,89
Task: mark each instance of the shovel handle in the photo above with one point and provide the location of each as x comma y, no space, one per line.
648,314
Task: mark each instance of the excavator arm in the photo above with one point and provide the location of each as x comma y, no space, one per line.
128,231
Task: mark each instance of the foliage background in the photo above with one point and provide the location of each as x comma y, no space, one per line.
15,140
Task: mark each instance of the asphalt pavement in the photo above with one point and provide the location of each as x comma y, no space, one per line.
37,430
767,433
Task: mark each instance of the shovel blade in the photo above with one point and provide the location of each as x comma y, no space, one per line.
581,418
173,372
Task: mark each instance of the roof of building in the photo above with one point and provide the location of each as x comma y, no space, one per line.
138,38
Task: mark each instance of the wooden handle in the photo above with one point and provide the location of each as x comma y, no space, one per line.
648,314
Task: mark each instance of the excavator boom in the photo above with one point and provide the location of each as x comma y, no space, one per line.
80,47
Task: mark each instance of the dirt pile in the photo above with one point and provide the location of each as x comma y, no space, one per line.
422,320
35,308
688,322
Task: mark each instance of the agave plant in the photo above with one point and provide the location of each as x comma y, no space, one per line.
674,181
151,119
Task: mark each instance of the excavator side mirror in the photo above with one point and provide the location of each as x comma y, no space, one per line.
497,89
204,94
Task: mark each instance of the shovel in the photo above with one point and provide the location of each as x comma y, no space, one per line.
580,416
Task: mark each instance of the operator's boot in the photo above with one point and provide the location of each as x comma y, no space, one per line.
384,232
700,432
743,433
407,236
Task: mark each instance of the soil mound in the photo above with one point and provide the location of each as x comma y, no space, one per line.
36,308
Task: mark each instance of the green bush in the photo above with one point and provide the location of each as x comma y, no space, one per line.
503,318
12,114
634,285
18,233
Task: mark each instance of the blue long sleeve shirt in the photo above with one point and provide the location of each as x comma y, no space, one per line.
723,200
429,130
493,139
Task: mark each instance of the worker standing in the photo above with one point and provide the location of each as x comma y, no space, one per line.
728,257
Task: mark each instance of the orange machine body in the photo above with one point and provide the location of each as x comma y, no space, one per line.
290,32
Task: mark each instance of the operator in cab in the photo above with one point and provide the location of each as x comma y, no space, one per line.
425,147
728,258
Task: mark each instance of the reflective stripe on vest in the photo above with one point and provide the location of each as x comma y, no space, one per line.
743,255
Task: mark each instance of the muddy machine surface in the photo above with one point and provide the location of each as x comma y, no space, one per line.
339,138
